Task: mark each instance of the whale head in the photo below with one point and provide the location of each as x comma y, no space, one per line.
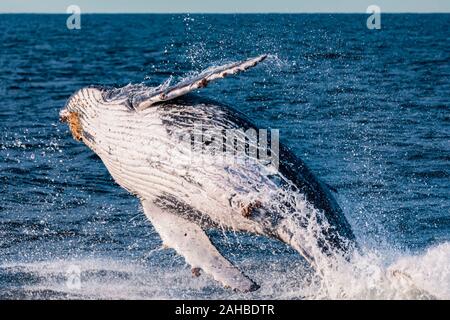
82,114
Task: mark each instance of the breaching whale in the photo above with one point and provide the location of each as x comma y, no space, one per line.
139,134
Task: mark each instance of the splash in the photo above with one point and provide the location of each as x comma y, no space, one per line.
366,276
364,273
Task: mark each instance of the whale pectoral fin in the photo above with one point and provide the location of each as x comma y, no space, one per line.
190,241
200,81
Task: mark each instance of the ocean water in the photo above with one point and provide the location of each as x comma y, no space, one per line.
367,110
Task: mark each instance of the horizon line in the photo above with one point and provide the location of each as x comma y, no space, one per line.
228,12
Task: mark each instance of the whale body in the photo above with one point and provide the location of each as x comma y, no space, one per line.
140,136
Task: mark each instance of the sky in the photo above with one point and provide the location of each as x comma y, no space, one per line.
227,6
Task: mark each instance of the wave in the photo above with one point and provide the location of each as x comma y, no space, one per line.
366,276
391,276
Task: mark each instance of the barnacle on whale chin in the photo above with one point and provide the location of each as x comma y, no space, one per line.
73,119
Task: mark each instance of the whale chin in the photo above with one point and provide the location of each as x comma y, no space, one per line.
73,120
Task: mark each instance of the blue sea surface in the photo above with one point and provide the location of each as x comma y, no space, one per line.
367,110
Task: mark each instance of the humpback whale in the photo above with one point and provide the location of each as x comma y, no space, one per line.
139,134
